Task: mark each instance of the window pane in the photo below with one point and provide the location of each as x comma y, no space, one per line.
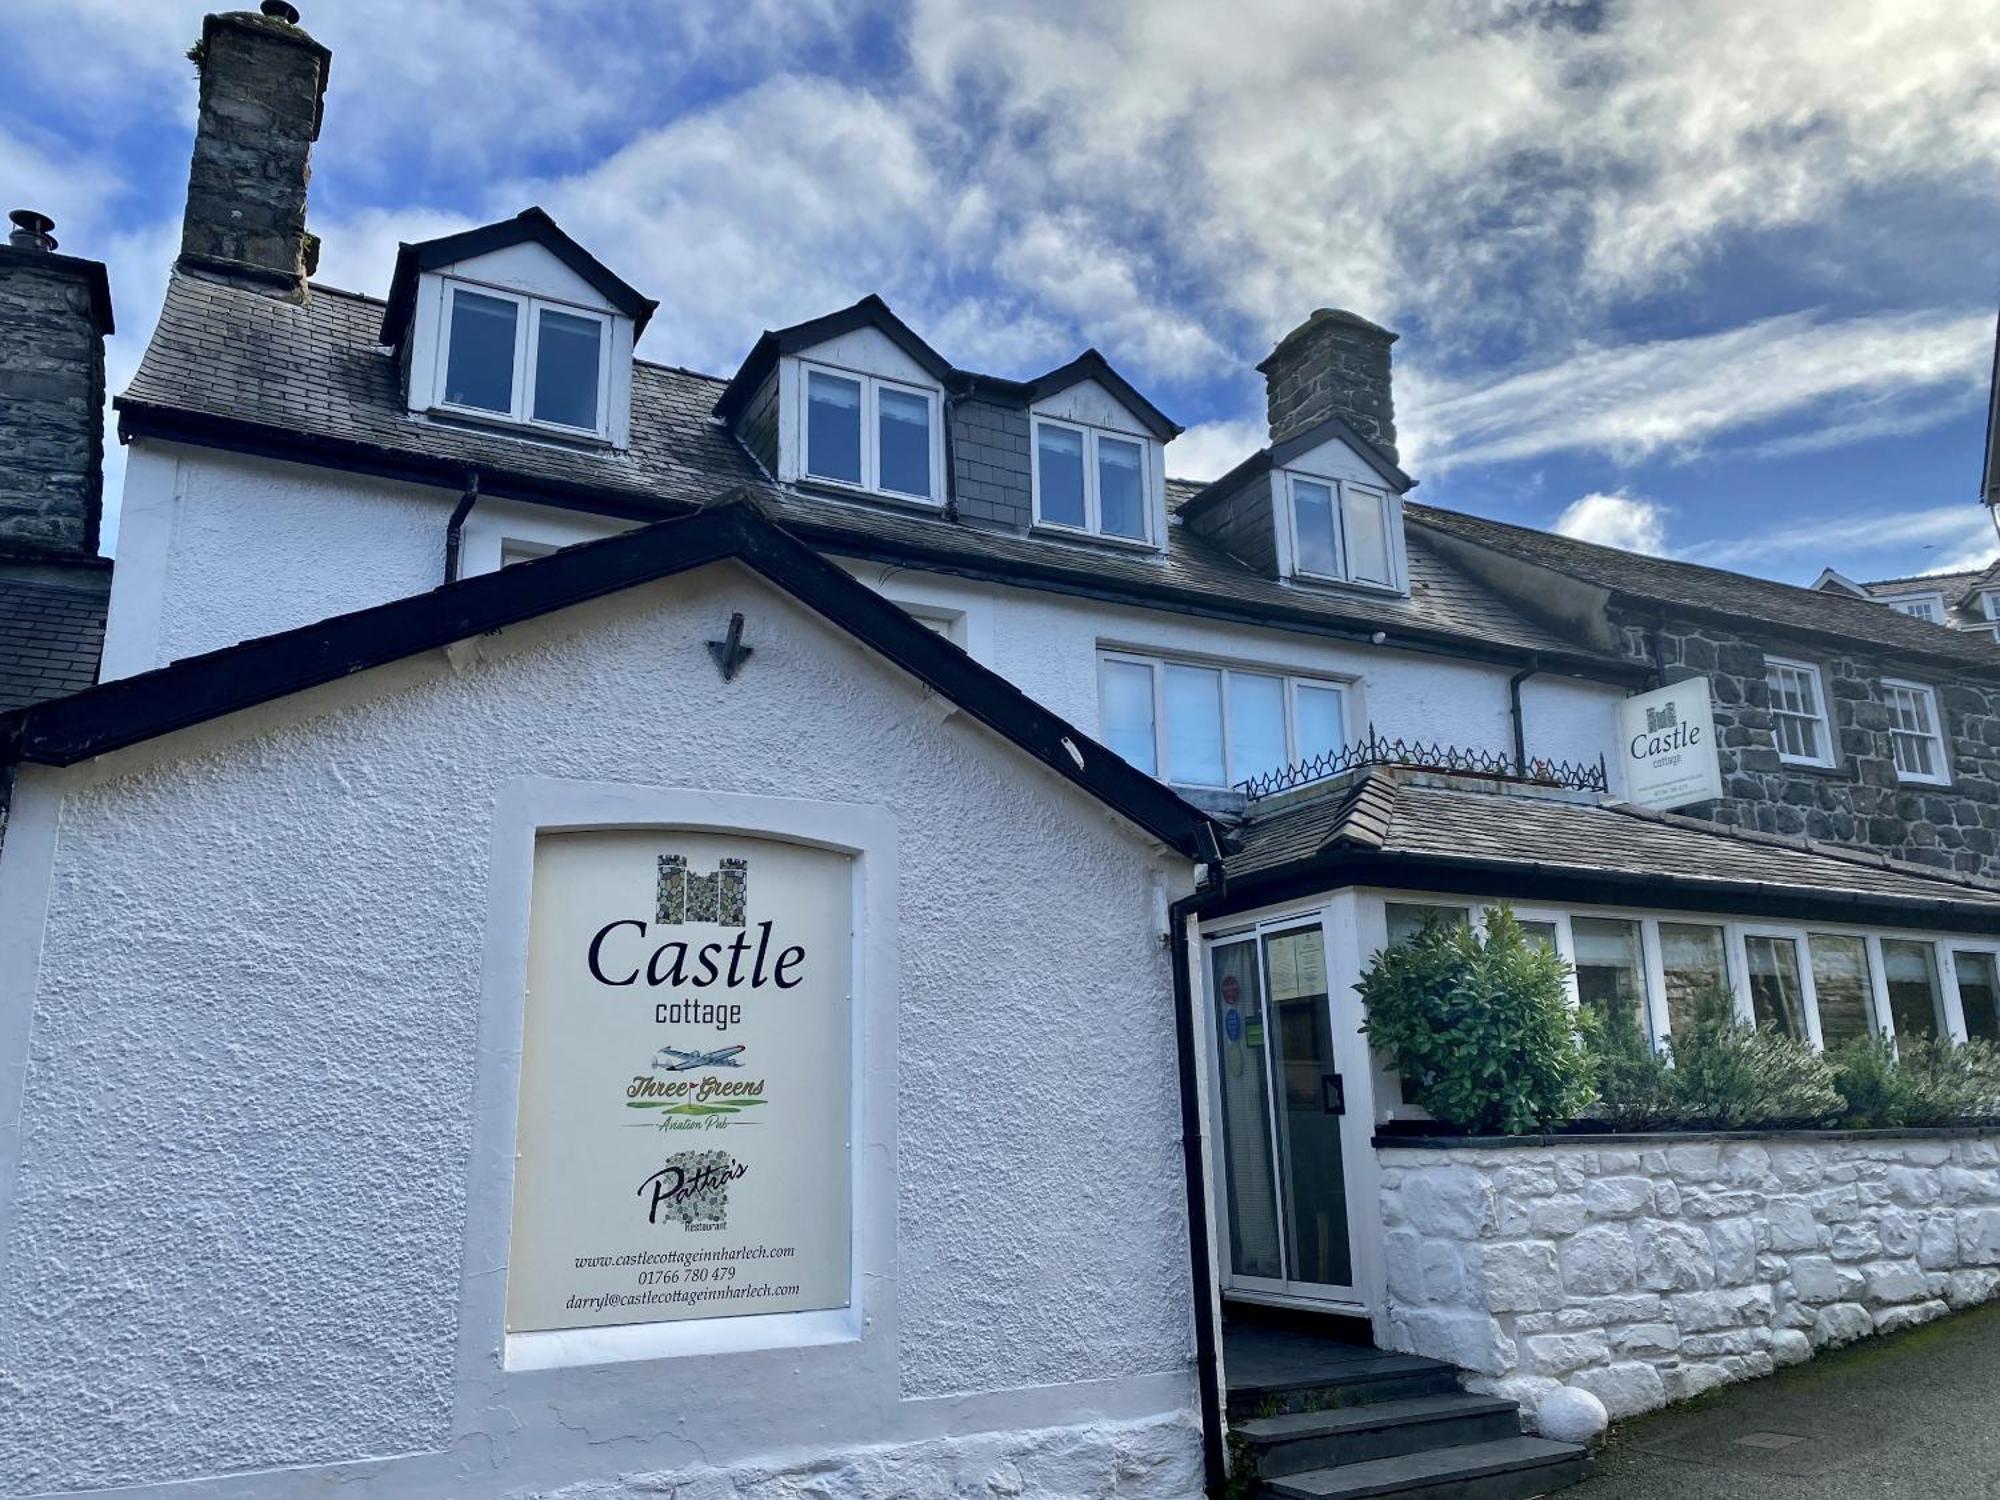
479,369
905,436
1319,727
1842,987
1911,972
1367,535
1256,725
1312,505
1777,997
1194,725
1121,488
1979,993
1795,711
1608,968
1059,473
1691,957
1241,1038
1406,921
1912,732
1125,703
1540,935
833,427
567,364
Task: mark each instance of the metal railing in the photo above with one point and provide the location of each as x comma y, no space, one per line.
1418,755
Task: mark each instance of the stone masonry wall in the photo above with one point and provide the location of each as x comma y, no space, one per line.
1859,799
1651,1271
51,406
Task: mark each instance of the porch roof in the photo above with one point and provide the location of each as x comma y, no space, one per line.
1421,830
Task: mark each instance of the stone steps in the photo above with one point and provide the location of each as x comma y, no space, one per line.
1302,1441
1508,1469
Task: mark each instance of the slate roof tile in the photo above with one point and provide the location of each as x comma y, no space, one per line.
51,635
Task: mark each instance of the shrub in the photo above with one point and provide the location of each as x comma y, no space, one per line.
1716,1073
1932,1082
1728,1075
1479,1026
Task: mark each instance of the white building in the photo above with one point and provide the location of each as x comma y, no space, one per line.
453,653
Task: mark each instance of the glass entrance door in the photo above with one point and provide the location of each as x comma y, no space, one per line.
1280,1103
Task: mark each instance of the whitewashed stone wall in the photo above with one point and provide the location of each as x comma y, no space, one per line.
1648,1272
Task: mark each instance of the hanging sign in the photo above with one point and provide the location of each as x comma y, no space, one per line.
685,1082
1667,742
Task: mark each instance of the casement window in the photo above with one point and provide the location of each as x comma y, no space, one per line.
1198,725
1798,713
1919,606
1977,972
1341,531
1610,967
1914,736
522,359
1092,481
1694,957
1843,986
867,433
1916,999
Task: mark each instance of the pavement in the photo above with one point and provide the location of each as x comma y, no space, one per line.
1912,1417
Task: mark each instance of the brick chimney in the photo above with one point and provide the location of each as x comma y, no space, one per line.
263,85
54,313
1333,364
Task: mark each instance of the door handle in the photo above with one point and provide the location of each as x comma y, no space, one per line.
1332,1094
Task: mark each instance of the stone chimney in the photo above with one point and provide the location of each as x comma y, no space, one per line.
1333,364
263,85
54,313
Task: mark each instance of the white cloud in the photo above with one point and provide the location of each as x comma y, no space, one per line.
1676,395
1208,450
1616,520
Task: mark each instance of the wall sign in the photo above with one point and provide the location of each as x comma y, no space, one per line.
686,1082
1667,740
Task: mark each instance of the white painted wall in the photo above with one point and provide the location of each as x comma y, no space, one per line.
261,1000
217,548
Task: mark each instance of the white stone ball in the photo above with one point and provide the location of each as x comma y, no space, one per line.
1569,1414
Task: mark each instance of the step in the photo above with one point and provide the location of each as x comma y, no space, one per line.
1510,1469
1356,1382
1298,1441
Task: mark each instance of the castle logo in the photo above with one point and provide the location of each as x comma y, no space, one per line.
1664,717
719,897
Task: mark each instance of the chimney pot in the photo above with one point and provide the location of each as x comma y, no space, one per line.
278,10
31,230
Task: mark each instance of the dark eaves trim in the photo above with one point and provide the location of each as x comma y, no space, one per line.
1531,880
197,689
870,312
171,424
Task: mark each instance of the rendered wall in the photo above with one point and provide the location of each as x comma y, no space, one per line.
248,1209
216,549
1650,1272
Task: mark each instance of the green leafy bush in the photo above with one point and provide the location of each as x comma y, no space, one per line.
1932,1082
1715,1074
1479,1026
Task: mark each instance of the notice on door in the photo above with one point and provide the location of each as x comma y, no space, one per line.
683,1145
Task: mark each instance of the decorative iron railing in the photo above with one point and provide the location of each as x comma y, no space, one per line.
1577,776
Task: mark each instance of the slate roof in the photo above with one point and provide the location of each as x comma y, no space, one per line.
229,365
1735,596
1385,815
51,630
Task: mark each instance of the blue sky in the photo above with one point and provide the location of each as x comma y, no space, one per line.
1702,277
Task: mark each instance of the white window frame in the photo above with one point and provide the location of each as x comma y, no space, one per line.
1823,719
527,341
1928,607
1093,510
1291,681
1928,697
872,387
1392,531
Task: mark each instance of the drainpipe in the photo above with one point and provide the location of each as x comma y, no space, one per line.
951,400
1514,703
1194,1170
455,527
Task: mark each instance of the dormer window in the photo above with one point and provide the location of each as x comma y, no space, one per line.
870,433
1342,531
524,359
1092,481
